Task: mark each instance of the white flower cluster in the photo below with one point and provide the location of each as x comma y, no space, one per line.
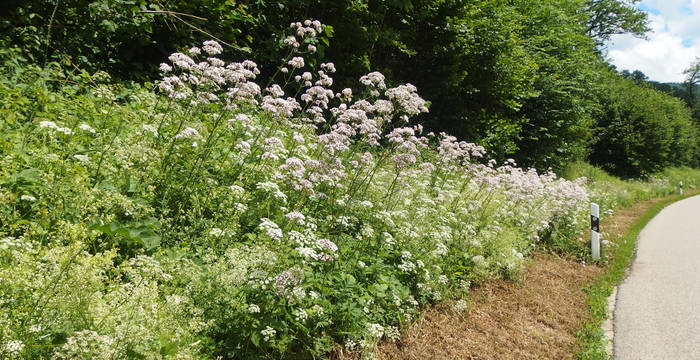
86,127
272,189
189,133
13,347
296,217
302,32
268,333
375,330
301,315
52,125
271,229
27,198
407,99
87,344
460,305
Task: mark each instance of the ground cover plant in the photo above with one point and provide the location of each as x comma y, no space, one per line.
218,217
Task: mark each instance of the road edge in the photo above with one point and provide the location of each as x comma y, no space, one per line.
597,336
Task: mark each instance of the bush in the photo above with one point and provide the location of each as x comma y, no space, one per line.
641,131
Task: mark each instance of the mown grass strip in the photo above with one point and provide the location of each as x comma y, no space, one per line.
593,343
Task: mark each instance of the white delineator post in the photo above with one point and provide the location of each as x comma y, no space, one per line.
595,231
680,188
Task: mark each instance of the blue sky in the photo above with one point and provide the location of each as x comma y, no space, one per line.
671,47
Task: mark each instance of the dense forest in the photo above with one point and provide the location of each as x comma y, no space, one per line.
526,79
265,179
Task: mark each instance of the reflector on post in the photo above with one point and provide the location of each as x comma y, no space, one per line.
595,231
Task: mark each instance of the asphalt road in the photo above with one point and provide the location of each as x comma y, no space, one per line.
657,314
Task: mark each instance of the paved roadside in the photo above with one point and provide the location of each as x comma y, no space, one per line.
657,314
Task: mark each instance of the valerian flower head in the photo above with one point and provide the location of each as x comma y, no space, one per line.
373,80
28,198
181,61
13,347
271,229
188,133
292,42
296,62
460,305
329,67
194,51
375,330
212,47
296,217
48,124
328,250
86,127
268,333
82,158
165,68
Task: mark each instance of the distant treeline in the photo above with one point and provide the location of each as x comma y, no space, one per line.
524,78
687,91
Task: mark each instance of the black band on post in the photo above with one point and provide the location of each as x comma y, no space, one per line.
595,223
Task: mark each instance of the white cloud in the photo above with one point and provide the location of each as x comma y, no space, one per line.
664,56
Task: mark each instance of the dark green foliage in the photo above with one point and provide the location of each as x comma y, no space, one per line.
559,116
688,91
94,34
641,130
142,234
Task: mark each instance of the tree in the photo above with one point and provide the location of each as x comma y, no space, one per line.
639,130
692,81
638,76
559,117
605,18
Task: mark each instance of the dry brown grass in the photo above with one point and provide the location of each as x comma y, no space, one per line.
534,318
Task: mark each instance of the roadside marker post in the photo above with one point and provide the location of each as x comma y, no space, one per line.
680,188
595,231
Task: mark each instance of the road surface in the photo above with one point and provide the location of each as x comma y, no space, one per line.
657,314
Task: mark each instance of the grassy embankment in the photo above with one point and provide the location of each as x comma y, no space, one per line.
554,310
639,202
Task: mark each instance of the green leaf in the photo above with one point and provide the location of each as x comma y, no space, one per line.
141,233
255,339
167,347
109,25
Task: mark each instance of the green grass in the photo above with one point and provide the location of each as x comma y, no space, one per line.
611,192
591,337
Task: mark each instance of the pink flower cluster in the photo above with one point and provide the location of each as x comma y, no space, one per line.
209,80
345,147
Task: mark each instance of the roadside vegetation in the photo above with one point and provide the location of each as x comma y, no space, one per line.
619,257
214,220
211,206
